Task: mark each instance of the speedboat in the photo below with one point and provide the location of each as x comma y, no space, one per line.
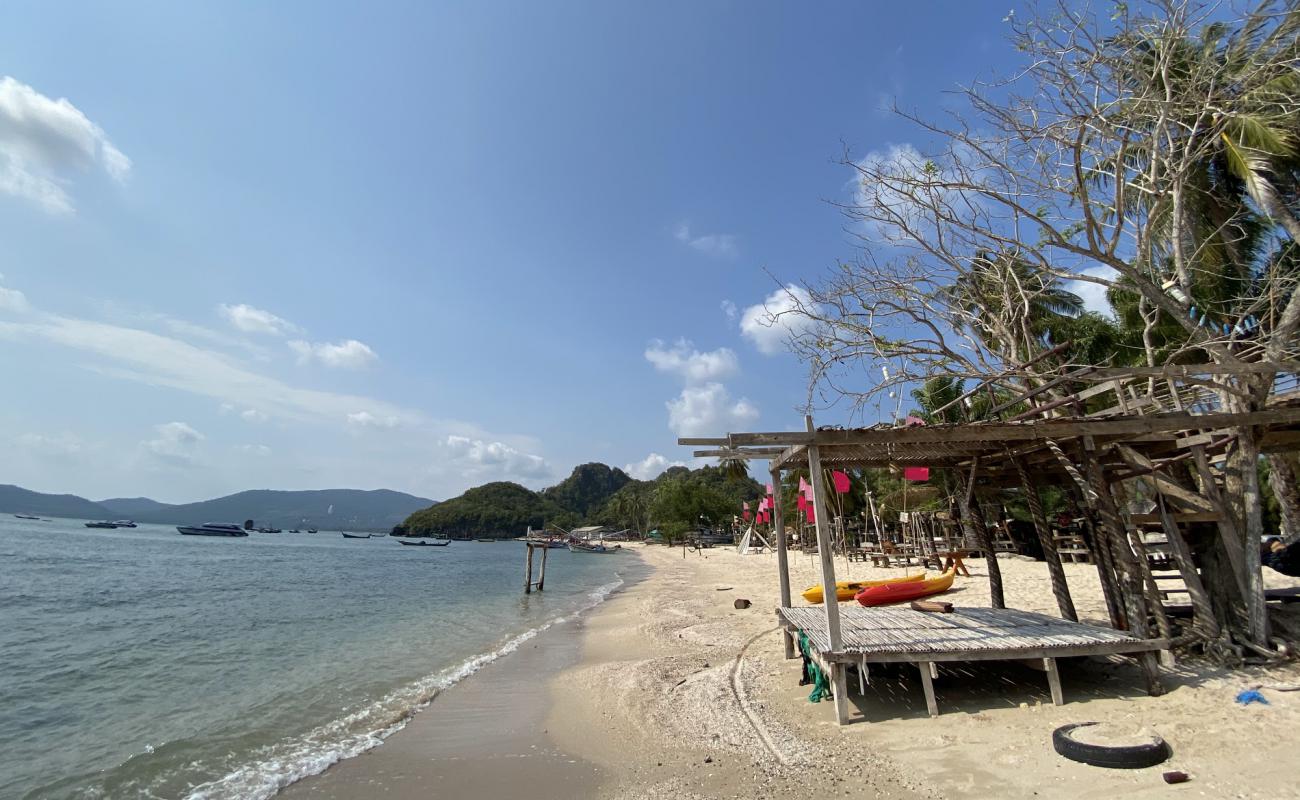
124,523
212,529
109,525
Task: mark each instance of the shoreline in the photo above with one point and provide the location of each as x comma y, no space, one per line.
665,690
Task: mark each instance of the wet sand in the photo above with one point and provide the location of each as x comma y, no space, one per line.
486,737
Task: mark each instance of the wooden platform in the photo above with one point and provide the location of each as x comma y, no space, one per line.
892,635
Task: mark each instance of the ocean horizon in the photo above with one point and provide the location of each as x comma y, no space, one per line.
143,663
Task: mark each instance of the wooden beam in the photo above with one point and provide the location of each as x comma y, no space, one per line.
754,452
704,441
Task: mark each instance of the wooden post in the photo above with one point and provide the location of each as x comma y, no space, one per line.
528,568
541,579
782,556
973,514
927,683
827,554
1054,681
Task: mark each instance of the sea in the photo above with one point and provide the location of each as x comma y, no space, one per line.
140,663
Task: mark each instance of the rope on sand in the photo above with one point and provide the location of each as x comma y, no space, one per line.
738,690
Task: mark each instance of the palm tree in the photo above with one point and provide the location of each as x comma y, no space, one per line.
1011,305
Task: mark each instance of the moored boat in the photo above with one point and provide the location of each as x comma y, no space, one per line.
212,529
347,535
593,547
124,523
847,590
109,525
26,516
892,593
425,542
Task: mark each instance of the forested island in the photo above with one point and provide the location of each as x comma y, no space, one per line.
594,494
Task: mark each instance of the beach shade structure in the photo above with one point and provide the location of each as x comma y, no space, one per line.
1090,433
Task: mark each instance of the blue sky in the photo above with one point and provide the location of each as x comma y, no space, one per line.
422,246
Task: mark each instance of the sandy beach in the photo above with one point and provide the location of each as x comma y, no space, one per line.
668,691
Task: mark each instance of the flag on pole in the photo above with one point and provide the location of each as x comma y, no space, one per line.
745,507
841,481
812,516
802,502
803,485
916,473
769,490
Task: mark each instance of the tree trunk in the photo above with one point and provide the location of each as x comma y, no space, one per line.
1256,609
1282,480
1060,588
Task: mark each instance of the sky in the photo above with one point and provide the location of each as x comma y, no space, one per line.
422,246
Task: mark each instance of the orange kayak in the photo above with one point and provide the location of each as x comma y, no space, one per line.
902,592
847,590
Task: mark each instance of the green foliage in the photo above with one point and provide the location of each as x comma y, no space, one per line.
587,489
494,509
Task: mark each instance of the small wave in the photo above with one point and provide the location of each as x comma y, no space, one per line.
313,753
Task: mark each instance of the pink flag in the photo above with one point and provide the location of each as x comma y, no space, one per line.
916,473
812,517
769,490
802,502
803,485
841,482
912,422
746,515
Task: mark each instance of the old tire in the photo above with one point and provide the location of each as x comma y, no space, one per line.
1135,756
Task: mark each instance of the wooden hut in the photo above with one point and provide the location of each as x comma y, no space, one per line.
1094,431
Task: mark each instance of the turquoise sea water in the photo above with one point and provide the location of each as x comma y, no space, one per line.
142,663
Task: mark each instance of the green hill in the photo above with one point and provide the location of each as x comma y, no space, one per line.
499,510
17,500
587,488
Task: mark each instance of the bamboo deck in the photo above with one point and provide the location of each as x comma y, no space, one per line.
967,634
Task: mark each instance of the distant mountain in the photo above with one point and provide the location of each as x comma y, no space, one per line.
130,507
327,509
16,500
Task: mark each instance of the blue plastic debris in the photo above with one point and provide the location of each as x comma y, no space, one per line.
1251,696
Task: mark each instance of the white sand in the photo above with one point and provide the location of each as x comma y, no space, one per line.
680,695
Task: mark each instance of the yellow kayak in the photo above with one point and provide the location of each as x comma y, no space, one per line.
847,590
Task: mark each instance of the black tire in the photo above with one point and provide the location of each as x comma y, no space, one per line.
1136,756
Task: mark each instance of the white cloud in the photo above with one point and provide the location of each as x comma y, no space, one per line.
349,354
157,360
771,323
64,444
176,443
651,467
729,308
718,245
12,299
683,360
42,141
709,410
364,419
258,450
252,415
256,320
1094,294
497,457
